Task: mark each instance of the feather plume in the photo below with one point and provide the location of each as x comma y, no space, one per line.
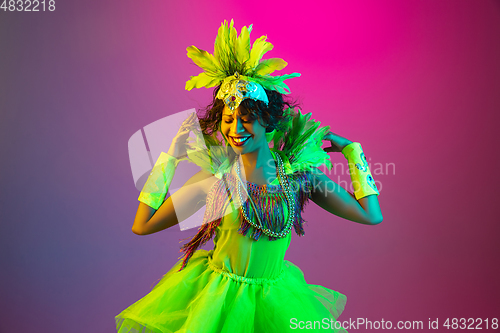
220,40
202,80
243,45
203,59
270,65
259,48
275,82
232,53
301,142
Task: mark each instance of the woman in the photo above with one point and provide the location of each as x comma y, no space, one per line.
254,195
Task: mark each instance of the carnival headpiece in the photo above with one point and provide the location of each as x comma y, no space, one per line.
238,68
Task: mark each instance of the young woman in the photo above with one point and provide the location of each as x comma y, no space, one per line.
259,168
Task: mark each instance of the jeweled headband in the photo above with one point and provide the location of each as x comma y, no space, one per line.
238,68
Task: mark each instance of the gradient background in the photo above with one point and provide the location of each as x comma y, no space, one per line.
417,82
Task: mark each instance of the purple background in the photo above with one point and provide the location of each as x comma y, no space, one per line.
417,82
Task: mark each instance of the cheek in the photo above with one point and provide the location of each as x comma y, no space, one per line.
223,128
259,130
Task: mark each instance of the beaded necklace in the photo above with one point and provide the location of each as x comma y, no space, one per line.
262,199
267,226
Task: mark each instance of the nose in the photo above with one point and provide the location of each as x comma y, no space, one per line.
237,126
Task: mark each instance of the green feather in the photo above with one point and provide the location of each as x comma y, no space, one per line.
301,141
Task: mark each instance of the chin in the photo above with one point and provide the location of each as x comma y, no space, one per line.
239,150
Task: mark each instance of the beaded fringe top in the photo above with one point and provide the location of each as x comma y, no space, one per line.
270,201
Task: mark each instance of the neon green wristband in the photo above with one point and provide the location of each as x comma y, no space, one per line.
361,177
156,187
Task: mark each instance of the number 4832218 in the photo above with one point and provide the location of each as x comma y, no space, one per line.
28,5
471,323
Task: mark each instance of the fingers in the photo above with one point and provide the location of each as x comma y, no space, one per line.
191,117
189,122
331,149
183,132
330,135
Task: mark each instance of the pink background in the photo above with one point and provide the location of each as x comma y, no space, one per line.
417,82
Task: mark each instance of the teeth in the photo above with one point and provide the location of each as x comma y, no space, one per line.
240,140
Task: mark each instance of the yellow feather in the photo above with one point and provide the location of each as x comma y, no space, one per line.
232,36
202,80
220,40
203,59
243,45
259,48
270,65
234,53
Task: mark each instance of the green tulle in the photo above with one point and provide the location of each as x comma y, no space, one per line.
203,298
241,285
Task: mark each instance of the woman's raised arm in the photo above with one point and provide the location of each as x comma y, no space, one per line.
336,200
154,214
333,198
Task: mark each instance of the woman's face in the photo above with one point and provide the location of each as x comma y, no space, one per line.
243,131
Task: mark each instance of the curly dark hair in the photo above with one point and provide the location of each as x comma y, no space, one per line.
271,115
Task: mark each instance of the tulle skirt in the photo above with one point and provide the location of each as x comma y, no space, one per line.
203,298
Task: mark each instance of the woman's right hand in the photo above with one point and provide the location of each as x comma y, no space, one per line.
337,142
178,147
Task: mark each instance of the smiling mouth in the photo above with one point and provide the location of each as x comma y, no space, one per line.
240,140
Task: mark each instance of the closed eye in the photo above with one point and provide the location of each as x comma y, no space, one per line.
244,121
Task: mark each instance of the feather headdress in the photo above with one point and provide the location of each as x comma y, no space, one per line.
234,61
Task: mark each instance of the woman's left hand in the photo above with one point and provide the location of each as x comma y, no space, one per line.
337,142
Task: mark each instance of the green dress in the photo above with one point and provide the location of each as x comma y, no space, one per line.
241,285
